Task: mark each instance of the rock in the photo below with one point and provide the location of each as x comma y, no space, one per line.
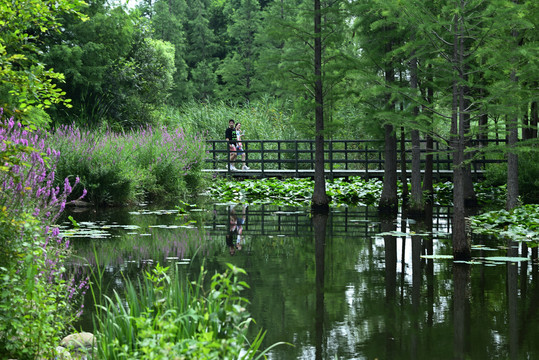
62,353
82,341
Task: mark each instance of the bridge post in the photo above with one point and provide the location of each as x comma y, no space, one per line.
331,159
262,157
296,157
279,155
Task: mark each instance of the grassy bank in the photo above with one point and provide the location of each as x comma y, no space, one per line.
144,164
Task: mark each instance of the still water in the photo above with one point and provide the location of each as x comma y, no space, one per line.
349,285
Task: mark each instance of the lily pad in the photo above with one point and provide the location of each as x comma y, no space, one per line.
506,258
400,233
437,256
483,247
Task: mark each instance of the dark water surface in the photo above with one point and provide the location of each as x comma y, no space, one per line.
336,287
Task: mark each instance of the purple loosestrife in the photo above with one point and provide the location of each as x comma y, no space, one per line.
145,158
28,195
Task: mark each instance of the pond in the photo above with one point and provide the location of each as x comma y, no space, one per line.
350,285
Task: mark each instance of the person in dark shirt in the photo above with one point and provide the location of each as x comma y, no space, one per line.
232,232
230,136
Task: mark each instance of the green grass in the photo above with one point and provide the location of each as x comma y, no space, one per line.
165,316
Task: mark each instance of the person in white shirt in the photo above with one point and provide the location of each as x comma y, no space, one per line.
239,146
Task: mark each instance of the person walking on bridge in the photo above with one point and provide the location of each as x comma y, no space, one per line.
230,136
239,146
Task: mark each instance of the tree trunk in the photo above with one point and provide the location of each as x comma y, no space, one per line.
512,157
470,198
533,122
417,205
320,200
461,245
427,179
389,200
404,177
512,165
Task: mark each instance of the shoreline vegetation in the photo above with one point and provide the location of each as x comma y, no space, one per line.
127,167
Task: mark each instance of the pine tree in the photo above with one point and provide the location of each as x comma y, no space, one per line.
237,70
201,50
379,35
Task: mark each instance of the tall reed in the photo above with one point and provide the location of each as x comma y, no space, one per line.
165,316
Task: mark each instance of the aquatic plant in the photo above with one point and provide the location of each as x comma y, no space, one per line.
126,167
37,296
354,191
165,316
295,192
519,224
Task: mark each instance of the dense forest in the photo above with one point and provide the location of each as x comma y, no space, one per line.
383,62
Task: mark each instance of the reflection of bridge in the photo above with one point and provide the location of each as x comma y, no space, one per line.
343,158
271,220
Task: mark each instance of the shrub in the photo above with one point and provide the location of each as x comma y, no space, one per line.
528,176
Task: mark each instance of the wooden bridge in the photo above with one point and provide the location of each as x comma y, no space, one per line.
343,158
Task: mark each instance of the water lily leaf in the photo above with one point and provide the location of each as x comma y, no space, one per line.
506,258
483,247
392,233
437,256
400,233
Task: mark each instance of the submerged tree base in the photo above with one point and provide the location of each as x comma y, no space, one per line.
388,208
319,208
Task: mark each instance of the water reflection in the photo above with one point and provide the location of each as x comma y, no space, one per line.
235,237
461,298
319,225
335,288
390,253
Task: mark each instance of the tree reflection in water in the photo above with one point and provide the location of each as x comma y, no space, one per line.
319,227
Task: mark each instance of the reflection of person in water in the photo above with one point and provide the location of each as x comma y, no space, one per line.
234,238
232,231
240,221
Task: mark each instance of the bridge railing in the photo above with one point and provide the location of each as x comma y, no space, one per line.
298,155
269,221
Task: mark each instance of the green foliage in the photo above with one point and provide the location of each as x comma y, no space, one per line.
528,176
355,191
119,168
519,224
37,303
35,311
116,73
296,191
28,83
266,118
166,316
